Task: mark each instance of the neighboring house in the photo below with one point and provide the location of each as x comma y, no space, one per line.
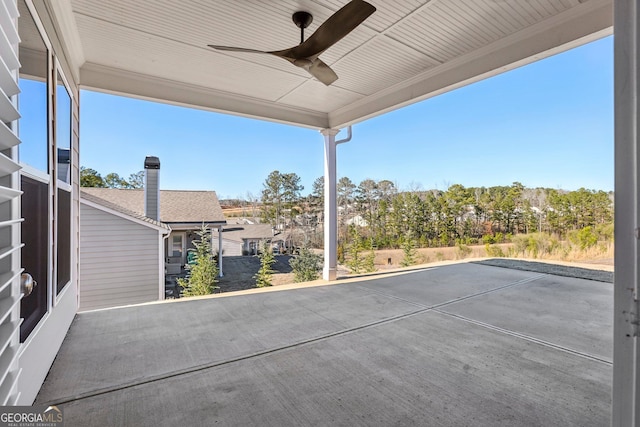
357,220
244,239
121,255
183,211
131,237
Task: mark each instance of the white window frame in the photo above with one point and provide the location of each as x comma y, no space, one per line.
59,184
44,177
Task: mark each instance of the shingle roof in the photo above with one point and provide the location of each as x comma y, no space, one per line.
91,198
246,231
176,206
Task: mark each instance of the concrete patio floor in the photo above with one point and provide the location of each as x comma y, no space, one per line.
459,345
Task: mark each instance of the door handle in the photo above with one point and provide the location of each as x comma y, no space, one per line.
27,284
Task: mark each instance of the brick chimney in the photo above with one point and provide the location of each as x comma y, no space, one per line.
152,187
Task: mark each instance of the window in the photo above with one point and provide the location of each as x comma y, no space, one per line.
34,120
176,245
33,123
63,174
63,131
46,131
63,275
35,260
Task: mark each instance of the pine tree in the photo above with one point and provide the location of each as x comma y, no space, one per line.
263,276
409,251
203,273
354,251
358,262
369,265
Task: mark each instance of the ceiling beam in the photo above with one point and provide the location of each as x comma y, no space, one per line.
125,83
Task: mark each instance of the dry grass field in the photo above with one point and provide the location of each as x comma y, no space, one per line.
240,271
596,255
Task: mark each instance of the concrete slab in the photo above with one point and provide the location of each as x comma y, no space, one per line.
598,272
427,369
424,348
569,312
442,284
109,348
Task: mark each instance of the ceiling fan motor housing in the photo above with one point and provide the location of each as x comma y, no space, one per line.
302,19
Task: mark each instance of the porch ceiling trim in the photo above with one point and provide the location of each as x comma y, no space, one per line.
63,12
126,83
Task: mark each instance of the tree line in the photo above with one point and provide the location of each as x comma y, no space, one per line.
92,178
387,216
475,214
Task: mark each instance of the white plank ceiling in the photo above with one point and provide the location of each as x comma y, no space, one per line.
408,50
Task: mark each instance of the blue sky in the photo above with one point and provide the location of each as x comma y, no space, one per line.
548,124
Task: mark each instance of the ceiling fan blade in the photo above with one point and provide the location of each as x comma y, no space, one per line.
322,72
305,55
332,30
317,68
236,49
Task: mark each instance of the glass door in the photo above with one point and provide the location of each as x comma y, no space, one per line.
177,247
35,181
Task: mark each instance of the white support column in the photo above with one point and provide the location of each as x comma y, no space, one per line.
626,330
330,206
220,274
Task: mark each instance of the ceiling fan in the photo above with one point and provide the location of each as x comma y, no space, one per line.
305,55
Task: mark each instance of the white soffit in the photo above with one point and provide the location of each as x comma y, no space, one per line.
408,50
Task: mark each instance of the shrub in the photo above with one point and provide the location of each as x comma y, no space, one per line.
545,243
494,251
463,251
520,244
605,232
584,238
203,272
533,246
488,239
340,252
306,266
466,240
603,248
495,238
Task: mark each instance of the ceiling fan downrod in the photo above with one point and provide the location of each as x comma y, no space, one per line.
302,20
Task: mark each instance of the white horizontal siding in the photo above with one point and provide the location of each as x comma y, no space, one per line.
117,271
117,227
123,256
118,260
